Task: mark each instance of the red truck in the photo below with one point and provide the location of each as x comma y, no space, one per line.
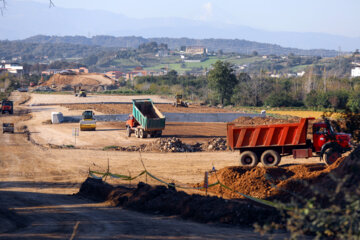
7,106
268,143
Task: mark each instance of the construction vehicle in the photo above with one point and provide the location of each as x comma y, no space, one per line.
8,127
7,106
268,143
145,119
78,92
179,102
88,122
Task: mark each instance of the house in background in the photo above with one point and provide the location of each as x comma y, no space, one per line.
115,74
195,50
80,70
355,72
14,68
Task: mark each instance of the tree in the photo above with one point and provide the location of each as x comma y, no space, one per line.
222,80
354,102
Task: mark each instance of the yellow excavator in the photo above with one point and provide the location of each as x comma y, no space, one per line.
88,122
179,102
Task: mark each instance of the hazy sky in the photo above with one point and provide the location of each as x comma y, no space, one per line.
339,17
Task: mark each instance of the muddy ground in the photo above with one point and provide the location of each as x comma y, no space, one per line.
38,183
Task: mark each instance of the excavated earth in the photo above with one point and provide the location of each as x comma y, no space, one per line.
88,81
168,201
282,183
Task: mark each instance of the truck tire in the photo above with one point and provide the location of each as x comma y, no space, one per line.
331,155
11,112
158,133
270,158
142,133
248,159
137,133
128,131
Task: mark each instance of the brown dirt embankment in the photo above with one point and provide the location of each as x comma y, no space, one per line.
167,201
88,81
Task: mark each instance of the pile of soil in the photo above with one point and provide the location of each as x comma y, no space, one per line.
264,120
88,81
168,201
277,182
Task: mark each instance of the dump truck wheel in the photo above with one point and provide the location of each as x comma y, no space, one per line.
270,158
128,131
331,155
248,159
137,133
141,133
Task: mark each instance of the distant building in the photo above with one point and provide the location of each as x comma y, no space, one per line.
80,70
355,72
300,74
114,74
51,72
162,53
14,68
195,50
275,75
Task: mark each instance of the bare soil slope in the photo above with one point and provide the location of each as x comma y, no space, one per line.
88,81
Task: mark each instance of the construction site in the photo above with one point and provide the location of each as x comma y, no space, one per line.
135,167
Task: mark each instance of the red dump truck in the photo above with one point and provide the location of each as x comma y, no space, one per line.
268,143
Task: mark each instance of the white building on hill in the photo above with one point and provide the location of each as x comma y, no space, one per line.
355,72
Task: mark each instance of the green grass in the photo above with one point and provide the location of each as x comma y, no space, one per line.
206,64
112,147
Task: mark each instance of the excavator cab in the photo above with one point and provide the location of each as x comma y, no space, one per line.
179,102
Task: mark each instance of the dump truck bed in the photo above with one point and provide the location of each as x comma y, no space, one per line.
147,115
239,137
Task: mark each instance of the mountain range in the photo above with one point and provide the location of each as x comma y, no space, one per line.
23,19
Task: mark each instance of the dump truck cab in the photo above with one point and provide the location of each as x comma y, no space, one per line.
8,127
7,106
324,133
131,122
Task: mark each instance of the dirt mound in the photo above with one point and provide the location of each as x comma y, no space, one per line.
264,121
88,81
269,183
167,201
